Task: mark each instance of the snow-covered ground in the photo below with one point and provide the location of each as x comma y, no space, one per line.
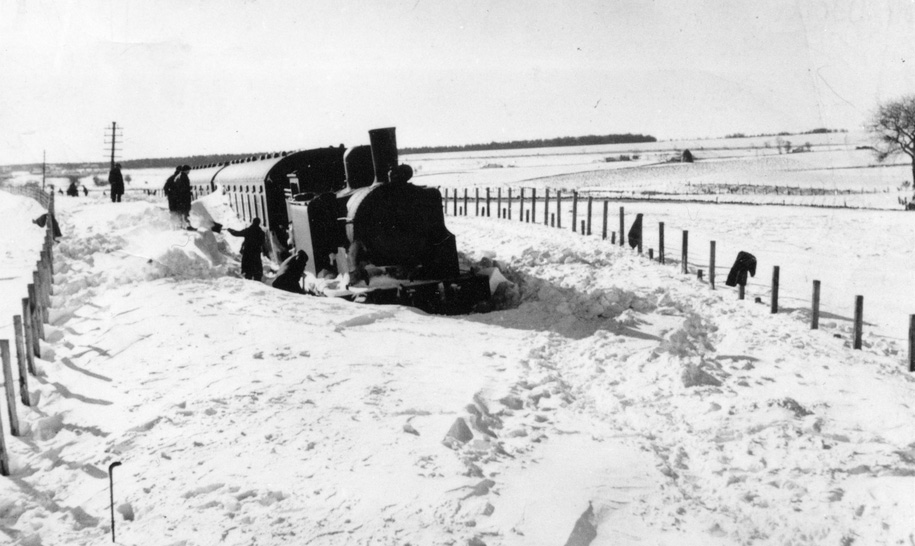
618,400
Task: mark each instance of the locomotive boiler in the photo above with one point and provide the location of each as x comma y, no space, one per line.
354,212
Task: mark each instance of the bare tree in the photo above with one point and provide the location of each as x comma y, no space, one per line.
894,126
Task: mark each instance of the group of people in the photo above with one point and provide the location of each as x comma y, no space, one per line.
288,276
73,189
178,192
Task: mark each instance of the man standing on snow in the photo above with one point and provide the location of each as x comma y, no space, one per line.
171,194
116,181
183,196
251,249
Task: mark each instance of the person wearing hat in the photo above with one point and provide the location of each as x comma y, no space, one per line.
171,194
183,196
116,182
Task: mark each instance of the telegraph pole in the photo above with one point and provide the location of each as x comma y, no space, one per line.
111,138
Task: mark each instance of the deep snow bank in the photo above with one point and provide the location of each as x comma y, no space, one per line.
618,398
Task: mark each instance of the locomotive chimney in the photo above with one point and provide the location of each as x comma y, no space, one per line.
384,152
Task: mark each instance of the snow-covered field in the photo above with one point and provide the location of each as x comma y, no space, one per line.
619,401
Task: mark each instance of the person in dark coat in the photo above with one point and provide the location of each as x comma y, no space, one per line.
116,182
635,232
42,221
85,191
745,263
183,196
171,193
72,190
289,276
251,249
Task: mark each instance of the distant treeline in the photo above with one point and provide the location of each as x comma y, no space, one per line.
589,140
817,131
154,163
164,162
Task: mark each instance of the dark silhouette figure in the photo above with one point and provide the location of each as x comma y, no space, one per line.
745,263
42,221
116,181
251,249
72,190
85,191
183,196
171,193
289,276
635,232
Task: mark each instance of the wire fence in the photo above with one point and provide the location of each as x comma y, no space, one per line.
590,215
28,326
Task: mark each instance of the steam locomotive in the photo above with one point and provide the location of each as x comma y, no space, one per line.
353,211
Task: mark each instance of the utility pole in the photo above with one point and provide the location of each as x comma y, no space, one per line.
111,138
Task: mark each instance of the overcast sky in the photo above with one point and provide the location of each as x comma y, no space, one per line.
192,77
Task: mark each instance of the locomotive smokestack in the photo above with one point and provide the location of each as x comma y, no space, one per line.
384,152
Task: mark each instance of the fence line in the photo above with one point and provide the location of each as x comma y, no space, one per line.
669,254
28,326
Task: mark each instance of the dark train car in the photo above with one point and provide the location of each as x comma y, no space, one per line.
353,211
257,187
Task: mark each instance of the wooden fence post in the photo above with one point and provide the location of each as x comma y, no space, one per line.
521,207
815,311
546,208
465,202
445,202
477,200
606,205
774,303
4,457
711,265
559,209
590,199
699,275
37,327
527,216
534,204
661,242
509,206
22,361
651,254
583,232
859,320
622,226
685,253
29,332
499,202
912,343
575,210
552,219
9,386
49,271
454,207
741,291
488,201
